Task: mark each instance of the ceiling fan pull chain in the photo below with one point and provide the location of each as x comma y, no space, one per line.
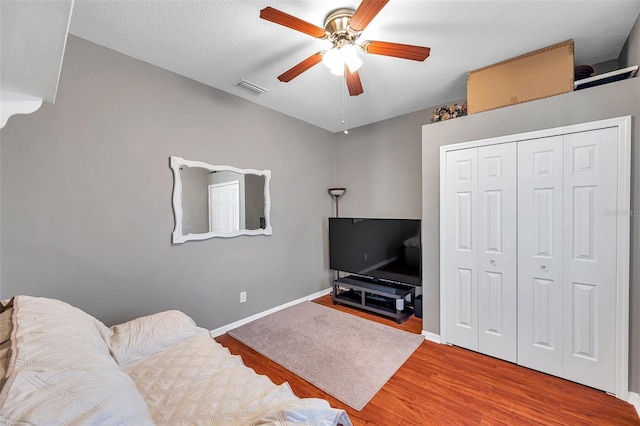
344,102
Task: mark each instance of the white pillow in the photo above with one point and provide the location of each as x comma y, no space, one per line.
141,337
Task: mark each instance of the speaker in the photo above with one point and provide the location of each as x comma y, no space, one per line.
417,306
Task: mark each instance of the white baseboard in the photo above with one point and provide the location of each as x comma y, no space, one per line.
634,399
222,330
432,337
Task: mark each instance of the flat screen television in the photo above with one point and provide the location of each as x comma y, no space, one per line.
384,249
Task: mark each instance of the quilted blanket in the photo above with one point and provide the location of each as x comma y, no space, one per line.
200,382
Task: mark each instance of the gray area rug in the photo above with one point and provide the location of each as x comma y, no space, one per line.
348,357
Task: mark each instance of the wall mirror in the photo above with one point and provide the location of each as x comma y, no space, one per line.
218,201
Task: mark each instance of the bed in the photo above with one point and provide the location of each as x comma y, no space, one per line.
59,365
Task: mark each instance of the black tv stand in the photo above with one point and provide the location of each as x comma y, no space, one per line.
374,296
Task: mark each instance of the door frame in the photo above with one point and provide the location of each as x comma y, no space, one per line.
623,223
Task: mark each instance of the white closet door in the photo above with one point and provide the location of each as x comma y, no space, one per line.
461,248
590,179
497,313
540,264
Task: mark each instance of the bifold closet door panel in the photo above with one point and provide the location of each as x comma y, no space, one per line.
497,294
461,275
540,251
590,196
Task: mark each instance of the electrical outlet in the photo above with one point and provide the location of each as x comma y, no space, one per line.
243,296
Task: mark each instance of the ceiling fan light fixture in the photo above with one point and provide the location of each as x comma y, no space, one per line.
336,58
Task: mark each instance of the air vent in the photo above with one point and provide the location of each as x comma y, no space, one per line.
250,87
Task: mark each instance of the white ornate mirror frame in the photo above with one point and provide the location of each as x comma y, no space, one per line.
178,163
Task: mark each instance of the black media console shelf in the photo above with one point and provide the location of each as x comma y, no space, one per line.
378,297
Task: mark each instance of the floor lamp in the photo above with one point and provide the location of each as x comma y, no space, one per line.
337,193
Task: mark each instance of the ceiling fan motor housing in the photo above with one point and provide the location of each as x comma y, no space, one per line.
337,27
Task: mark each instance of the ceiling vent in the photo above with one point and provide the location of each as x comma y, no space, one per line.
250,87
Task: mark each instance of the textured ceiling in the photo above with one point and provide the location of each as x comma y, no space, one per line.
220,42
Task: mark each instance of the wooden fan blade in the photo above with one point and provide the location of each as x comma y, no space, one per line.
274,15
296,70
404,51
367,10
353,82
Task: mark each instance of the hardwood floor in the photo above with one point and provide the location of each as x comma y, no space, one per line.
447,385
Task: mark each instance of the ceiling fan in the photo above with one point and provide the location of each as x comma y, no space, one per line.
343,27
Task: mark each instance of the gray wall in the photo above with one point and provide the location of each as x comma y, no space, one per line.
630,54
604,67
86,189
380,165
607,101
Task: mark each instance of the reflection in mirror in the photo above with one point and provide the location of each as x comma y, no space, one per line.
218,201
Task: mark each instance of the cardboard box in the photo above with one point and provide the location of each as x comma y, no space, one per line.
540,74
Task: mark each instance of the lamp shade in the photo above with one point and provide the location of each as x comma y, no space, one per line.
331,59
337,192
350,57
